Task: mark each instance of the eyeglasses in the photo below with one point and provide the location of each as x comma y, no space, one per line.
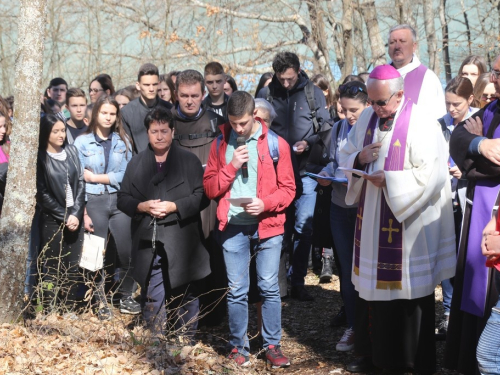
381,103
495,73
95,91
488,97
351,90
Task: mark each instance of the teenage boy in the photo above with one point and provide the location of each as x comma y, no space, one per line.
250,229
215,79
134,113
77,106
57,90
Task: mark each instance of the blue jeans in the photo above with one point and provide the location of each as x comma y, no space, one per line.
239,242
488,348
342,222
447,288
304,212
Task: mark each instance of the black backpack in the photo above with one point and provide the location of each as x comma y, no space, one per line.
309,91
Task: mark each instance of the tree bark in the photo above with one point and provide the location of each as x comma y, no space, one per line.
369,12
359,51
347,38
319,37
446,50
19,202
430,32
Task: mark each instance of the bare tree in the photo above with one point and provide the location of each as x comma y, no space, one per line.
446,49
19,202
369,12
430,32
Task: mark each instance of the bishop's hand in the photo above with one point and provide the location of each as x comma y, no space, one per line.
377,178
369,153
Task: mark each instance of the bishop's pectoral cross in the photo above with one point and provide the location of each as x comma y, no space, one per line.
360,217
390,230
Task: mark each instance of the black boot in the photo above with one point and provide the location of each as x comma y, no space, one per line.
327,270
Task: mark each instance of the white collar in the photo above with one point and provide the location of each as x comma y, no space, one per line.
414,64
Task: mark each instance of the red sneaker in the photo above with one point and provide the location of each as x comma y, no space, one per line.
275,357
240,359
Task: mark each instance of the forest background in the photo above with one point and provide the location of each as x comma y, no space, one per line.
338,37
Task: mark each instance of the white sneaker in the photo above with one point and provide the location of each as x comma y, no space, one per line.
346,343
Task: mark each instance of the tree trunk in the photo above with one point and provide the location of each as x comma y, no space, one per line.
319,37
430,32
369,12
19,202
467,27
359,51
444,29
405,14
347,37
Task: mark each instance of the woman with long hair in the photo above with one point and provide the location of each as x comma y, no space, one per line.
472,67
104,154
264,81
484,91
100,85
61,198
353,100
321,81
166,89
123,97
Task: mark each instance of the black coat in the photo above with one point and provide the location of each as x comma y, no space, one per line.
51,180
179,233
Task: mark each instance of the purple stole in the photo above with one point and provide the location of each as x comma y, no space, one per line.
390,241
413,83
475,273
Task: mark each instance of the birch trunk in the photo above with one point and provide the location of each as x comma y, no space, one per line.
446,50
369,12
347,38
19,202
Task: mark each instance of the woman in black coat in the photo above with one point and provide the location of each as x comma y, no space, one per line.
162,191
61,197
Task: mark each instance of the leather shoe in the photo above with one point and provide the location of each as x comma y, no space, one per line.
300,293
362,364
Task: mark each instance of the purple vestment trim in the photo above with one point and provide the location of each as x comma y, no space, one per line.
413,83
475,273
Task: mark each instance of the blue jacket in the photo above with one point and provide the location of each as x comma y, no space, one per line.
91,155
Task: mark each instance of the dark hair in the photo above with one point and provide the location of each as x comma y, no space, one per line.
190,77
47,122
213,68
133,89
56,82
174,73
168,81
285,60
159,114
353,77
75,92
232,83
48,104
460,86
321,81
124,92
240,103
364,76
4,112
262,81
474,60
481,83
117,126
106,83
147,69
354,90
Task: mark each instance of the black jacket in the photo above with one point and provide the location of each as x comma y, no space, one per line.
294,120
220,109
133,115
179,233
51,179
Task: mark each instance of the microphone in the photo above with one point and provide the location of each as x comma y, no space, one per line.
241,141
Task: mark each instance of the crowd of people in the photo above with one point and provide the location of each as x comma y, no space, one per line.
197,187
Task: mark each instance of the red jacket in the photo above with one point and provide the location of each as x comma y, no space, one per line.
276,187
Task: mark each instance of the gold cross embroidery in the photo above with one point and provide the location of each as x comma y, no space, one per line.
390,230
360,217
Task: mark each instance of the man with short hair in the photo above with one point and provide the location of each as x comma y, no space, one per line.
297,122
134,113
254,228
404,232
57,90
215,78
422,85
77,106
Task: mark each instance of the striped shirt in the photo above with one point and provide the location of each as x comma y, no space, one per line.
61,156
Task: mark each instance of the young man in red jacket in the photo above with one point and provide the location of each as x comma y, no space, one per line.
250,229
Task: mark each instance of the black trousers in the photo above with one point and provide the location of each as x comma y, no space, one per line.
62,279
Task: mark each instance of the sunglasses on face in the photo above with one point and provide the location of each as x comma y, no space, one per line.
95,91
381,103
351,90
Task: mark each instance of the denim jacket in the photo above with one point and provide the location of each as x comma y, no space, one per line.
92,158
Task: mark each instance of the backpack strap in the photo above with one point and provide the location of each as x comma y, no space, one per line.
219,139
309,91
272,142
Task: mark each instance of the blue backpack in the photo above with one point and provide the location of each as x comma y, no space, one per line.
272,142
